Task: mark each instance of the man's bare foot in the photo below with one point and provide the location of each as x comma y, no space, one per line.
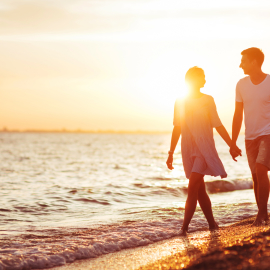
214,227
266,219
182,232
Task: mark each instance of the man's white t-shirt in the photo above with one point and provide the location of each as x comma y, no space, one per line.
256,100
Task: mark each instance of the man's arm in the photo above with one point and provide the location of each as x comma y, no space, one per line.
236,126
174,140
237,121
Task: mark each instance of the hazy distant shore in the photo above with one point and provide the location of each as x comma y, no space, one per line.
85,131
89,131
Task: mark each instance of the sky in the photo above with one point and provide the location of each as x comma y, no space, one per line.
120,64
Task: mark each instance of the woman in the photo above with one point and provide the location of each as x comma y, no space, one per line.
194,118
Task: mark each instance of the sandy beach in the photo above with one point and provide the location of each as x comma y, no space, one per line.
238,246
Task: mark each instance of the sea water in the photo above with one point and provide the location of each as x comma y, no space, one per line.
91,194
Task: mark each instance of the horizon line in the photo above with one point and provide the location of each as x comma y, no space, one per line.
5,130
99,131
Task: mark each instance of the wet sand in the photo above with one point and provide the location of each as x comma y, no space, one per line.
238,246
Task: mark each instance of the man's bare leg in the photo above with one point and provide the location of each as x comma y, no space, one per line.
262,193
195,181
206,206
255,187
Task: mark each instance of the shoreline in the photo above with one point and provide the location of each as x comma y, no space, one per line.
70,250
198,250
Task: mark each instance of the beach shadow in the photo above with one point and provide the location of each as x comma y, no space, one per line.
215,241
199,244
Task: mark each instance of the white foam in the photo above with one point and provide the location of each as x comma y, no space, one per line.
65,246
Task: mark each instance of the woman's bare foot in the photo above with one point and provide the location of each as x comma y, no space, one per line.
213,227
260,220
182,232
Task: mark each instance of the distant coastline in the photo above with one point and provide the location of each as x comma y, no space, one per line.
93,131
99,131
5,130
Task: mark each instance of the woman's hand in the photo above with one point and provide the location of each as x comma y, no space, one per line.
170,162
174,140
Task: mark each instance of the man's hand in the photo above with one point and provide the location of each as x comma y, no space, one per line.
235,152
170,162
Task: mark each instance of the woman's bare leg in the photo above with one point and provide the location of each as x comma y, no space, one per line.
195,180
206,206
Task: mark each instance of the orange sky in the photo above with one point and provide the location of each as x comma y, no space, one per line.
120,64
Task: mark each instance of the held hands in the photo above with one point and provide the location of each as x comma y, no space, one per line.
169,162
235,152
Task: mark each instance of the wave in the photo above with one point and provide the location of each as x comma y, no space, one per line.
103,202
41,250
214,186
217,186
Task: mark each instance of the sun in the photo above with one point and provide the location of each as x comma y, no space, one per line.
162,80
183,92
164,77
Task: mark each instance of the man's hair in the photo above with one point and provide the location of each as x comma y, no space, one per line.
254,53
193,73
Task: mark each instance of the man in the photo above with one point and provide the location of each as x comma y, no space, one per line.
253,97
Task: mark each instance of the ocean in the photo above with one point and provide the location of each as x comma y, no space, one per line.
102,193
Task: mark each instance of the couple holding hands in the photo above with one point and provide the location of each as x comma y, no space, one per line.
196,116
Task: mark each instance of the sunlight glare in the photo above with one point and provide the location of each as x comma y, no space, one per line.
162,81
182,93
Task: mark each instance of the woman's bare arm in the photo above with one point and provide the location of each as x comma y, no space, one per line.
224,134
226,137
174,140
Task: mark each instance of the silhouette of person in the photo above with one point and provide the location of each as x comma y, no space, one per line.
195,117
253,98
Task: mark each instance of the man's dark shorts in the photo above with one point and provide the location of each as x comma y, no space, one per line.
258,151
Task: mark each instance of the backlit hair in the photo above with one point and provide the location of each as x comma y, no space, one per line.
193,73
254,54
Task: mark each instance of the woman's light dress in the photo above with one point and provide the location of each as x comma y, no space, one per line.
197,118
